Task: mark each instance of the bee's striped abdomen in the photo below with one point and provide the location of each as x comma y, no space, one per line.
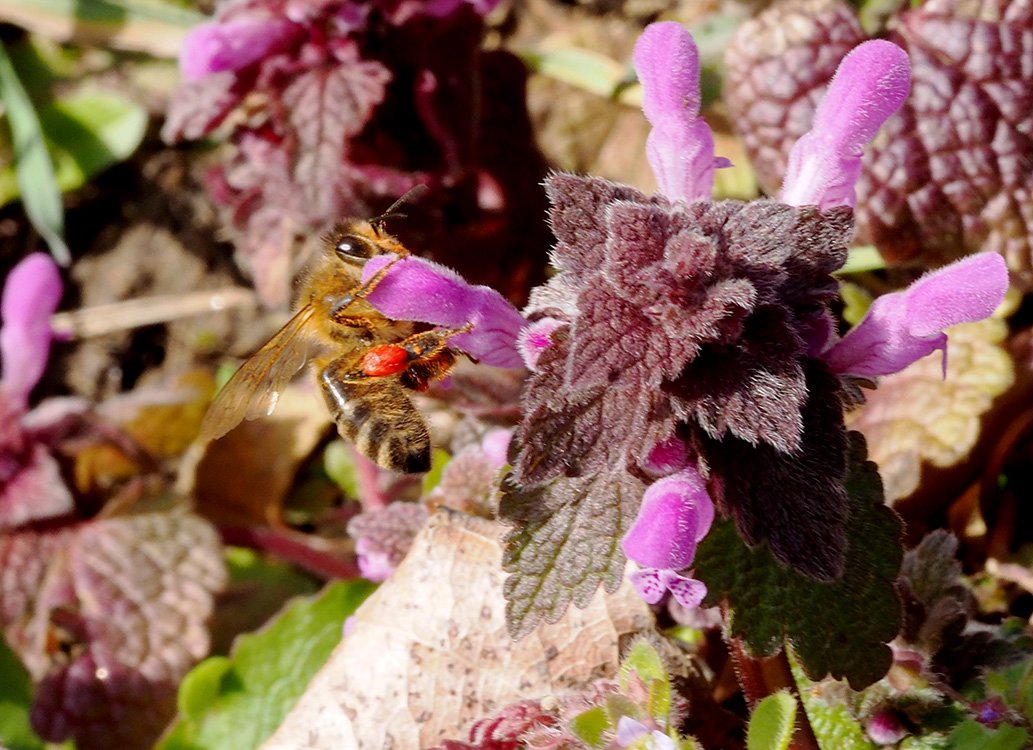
377,415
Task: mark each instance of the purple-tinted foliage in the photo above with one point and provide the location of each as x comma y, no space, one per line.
361,101
106,680
470,477
952,172
687,313
713,321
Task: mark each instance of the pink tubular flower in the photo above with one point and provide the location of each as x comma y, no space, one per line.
680,148
231,45
31,486
870,85
424,291
30,296
905,326
676,514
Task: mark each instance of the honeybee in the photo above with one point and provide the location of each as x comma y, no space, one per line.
364,362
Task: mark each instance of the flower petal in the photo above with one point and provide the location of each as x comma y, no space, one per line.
905,326
420,290
676,513
870,84
667,457
680,147
535,339
31,294
374,563
688,592
648,585
231,45
629,730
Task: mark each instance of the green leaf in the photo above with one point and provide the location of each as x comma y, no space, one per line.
438,461
643,660
257,590
1014,684
565,544
861,258
838,628
591,726
772,723
971,735
856,301
15,701
582,68
339,465
85,133
236,703
35,172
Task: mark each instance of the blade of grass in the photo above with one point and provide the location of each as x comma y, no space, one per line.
152,26
40,193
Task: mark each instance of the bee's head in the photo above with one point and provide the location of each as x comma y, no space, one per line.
353,242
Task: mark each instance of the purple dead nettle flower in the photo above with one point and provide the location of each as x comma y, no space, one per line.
676,514
692,338
30,480
424,291
870,84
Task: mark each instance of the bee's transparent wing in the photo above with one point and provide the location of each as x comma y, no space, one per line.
255,388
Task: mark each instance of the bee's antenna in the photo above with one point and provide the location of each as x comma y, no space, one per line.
391,213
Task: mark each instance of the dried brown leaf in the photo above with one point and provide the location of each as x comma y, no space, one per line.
244,476
428,653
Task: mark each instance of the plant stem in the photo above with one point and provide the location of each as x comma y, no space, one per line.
760,678
294,548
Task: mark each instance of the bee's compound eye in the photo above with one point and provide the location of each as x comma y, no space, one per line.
352,247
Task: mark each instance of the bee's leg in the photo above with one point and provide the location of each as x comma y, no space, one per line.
377,415
348,299
430,356
421,374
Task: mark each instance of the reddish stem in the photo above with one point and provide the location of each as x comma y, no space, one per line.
294,548
760,678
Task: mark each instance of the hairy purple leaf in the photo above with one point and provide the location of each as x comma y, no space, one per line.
696,317
108,617
325,107
796,501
